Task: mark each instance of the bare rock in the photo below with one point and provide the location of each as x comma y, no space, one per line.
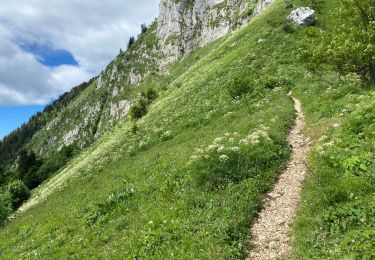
302,16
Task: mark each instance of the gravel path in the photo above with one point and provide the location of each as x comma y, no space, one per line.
270,232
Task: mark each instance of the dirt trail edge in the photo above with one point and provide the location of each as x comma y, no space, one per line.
270,231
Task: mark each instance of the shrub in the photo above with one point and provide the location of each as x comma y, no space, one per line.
18,193
139,109
5,206
131,41
271,82
114,202
143,28
150,95
238,87
288,26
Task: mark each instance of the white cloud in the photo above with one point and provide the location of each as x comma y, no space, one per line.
93,31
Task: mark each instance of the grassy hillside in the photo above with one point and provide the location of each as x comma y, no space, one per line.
145,190
186,180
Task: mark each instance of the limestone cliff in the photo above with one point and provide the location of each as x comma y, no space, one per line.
184,25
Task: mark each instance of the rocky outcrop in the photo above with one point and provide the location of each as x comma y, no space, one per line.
302,16
182,26
188,24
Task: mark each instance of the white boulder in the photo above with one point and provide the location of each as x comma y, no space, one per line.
302,16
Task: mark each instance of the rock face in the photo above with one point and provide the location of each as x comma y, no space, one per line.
188,24
182,26
302,16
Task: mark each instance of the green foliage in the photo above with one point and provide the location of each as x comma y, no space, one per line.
116,201
140,108
150,95
232,158
28,165
239,86
131,41
349,46
55,162
143,28
5,206
19,193
336,218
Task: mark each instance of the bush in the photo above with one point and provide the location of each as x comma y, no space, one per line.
5,206
18,193
288,26
238,87
143,28
139,109
115,202
150,95
131,41
271,82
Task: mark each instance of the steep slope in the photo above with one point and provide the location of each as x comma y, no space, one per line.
217,112
187,179
106,99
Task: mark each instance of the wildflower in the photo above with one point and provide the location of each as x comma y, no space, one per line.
212,147
227,134
223,158
244,141
235,149
166,134
231,140
193,157
329,144
199,150
220,149
218,140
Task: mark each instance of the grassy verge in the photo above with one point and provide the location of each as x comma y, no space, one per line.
336,218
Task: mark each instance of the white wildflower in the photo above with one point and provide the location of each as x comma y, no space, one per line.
329,144
166,134
199,151
235,149
236,134
193,157
223,158
244,141
218,140
212,147
220,149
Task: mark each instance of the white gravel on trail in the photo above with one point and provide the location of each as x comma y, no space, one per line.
271,239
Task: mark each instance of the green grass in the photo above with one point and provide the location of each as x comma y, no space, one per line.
336,218
163,192
172,209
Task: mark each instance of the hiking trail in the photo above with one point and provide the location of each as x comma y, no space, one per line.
271,239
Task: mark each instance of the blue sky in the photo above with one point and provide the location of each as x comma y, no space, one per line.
48,47
14,116
48,56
